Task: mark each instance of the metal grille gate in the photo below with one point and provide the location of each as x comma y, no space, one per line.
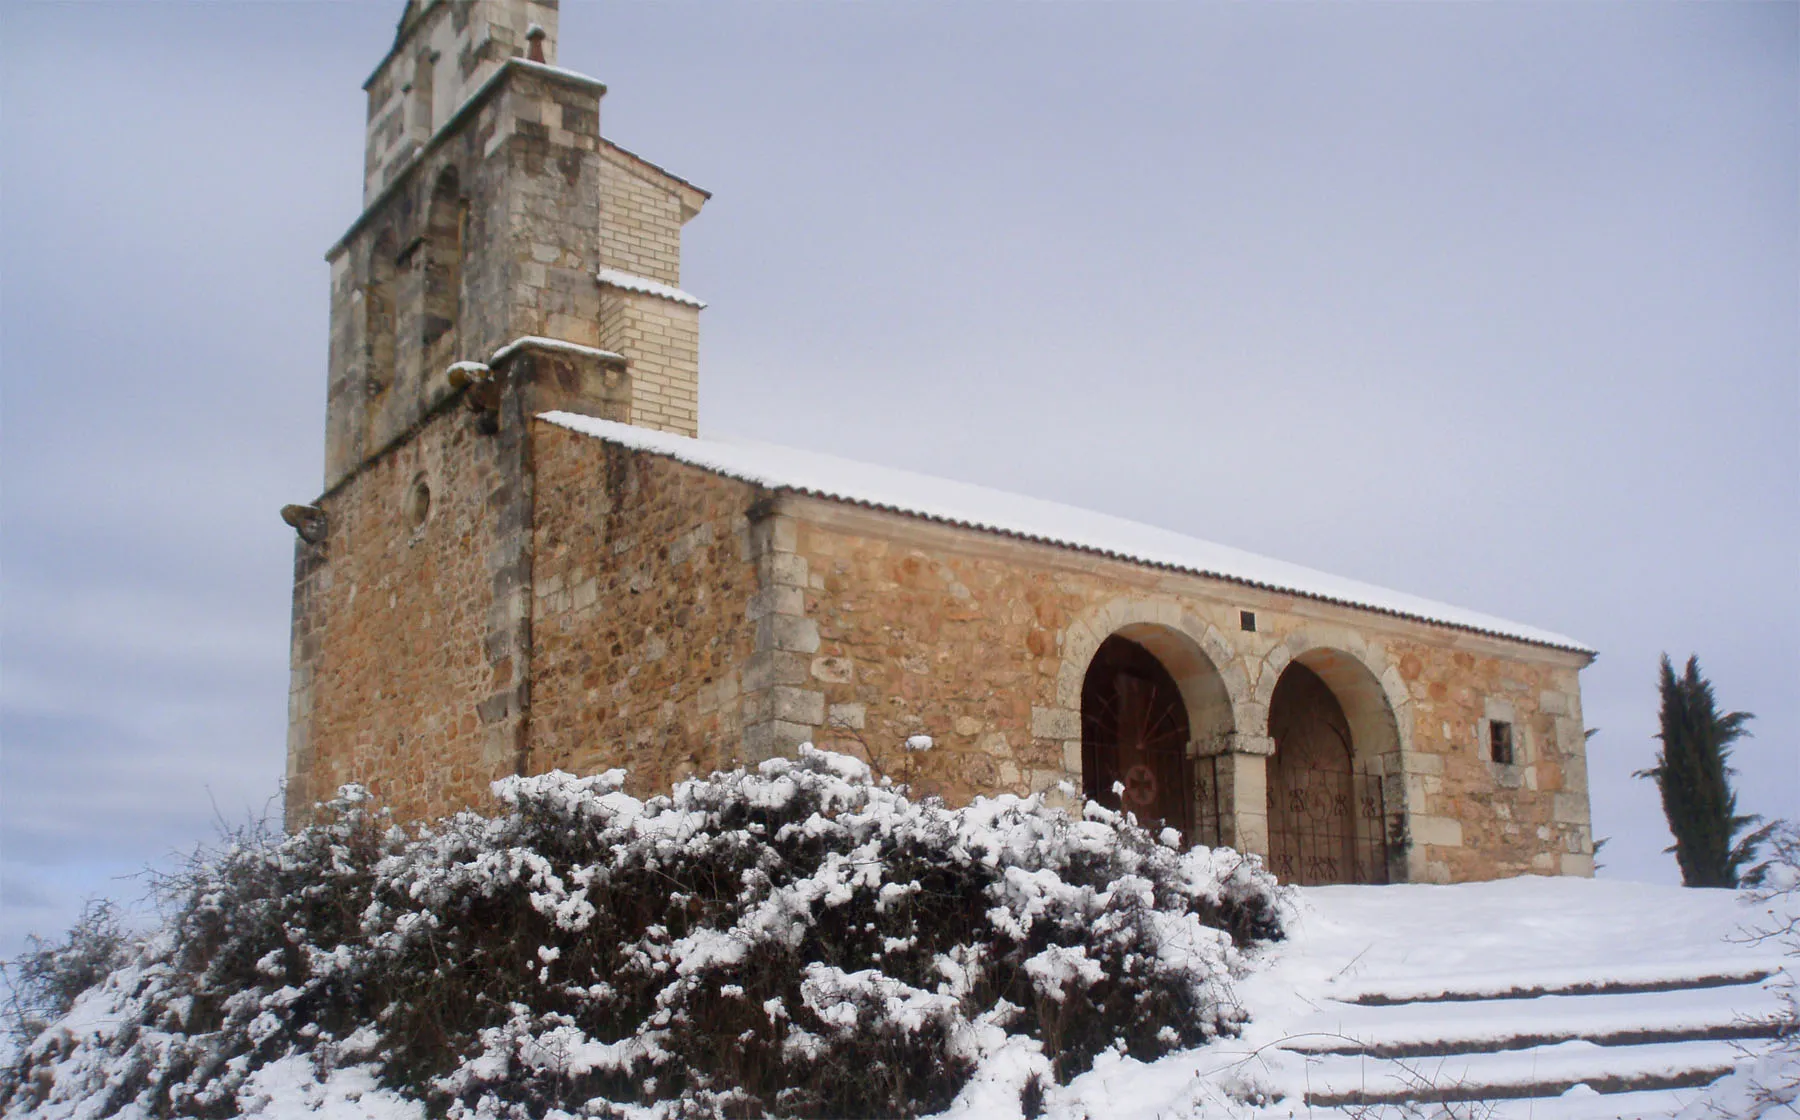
1336,832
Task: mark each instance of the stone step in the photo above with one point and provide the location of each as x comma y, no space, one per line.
1579,1103
1450,1047
1634,982
1412,1030
1549,1071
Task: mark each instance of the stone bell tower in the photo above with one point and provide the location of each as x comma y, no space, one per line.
508,260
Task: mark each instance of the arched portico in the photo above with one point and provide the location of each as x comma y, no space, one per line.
1334,736
1147,698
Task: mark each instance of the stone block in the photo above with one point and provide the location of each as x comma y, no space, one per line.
774,738
1422,762
1071,756
1262,746
1442,832
1578,864
852,716
774,533
1055,723
798,705
772,667
787,632
1571,737
781,569
1569,808
1041,780
776,600
833,670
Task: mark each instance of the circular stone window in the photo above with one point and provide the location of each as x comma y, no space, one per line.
418,505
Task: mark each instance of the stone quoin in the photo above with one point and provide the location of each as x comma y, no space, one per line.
524,558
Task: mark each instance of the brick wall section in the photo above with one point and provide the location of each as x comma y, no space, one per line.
640,218
642,624
395,662
662,338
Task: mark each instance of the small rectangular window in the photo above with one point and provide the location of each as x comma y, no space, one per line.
1500,742
1247,620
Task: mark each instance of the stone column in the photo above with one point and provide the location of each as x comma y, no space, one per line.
1241,768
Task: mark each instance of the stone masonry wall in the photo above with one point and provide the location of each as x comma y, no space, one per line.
641,624
981,642
444,53
547,202
523,163
401,676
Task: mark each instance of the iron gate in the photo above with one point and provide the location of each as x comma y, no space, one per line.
1321,835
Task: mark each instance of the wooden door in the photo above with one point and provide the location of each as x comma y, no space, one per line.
1134,737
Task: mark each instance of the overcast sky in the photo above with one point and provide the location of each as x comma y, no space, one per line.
1498,304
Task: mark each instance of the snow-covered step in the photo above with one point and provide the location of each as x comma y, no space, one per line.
1533,983
1621,1019
1545,1071
1578,1103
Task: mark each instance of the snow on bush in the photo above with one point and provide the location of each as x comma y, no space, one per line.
799,941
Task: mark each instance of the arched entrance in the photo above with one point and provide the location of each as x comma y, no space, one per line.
1135,736
1327,823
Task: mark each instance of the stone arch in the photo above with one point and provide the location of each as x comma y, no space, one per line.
1337,737
446,219
1193,650
1371,691
1195,657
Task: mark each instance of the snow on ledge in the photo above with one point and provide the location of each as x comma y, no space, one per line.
632,282
959,503
538,342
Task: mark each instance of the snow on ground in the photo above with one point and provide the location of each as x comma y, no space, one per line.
1416,941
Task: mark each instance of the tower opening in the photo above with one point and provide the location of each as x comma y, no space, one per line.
379,319
444,236
1134,737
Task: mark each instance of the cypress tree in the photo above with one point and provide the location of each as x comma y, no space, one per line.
1693,774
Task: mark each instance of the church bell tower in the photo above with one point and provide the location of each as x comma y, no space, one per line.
508,260
494,211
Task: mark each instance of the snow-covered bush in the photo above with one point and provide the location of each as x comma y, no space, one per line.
798,940
43,981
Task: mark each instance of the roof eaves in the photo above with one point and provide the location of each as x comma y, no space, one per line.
1159,565
1093,550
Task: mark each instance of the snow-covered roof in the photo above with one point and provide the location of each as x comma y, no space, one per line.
959,503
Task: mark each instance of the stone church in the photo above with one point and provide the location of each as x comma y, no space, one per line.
526,557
